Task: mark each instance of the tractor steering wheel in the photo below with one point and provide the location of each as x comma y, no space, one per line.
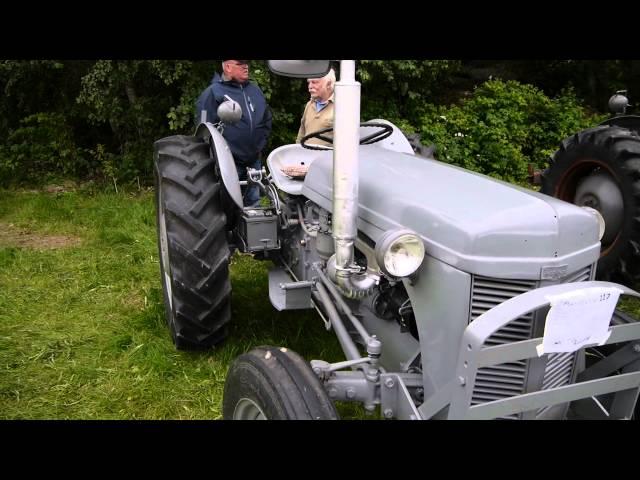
383,132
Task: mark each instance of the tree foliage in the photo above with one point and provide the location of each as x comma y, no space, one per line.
503,127
98,119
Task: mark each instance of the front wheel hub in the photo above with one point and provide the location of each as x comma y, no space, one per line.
247,409
601,192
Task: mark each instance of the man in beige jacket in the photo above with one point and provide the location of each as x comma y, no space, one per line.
318,113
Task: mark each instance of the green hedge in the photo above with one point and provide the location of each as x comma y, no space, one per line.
43,145
99,119
502,128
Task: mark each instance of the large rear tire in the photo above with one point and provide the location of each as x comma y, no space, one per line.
192,242
600,167
270,383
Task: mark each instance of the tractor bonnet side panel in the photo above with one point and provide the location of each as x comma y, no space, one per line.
467,220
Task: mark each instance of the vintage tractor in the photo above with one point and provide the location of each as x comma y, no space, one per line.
600,168
453,295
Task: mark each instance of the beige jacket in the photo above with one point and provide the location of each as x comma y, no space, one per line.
313,121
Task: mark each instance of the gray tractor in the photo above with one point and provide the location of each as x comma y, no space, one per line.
453,295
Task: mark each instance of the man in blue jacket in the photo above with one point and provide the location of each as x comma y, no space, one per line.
248,137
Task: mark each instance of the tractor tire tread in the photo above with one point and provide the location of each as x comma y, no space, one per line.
196,242
623,147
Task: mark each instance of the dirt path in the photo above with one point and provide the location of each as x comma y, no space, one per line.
12,236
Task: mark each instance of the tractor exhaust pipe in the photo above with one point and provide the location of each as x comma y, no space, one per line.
346,144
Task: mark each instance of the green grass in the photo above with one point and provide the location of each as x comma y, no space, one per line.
82,329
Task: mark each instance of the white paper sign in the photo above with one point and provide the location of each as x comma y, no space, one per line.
578,318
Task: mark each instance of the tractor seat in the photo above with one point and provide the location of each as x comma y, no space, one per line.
289,164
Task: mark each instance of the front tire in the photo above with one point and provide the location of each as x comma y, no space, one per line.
192,243
600,167
270,383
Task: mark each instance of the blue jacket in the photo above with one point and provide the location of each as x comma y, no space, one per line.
248,137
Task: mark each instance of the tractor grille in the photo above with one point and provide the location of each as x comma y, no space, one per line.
508,379
559,368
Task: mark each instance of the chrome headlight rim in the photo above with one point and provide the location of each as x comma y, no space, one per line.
388,240
601,222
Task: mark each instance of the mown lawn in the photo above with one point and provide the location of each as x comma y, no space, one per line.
82,329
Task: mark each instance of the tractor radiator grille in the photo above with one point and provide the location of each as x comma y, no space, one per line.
508,379
559,368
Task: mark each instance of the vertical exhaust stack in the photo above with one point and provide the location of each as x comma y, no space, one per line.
345,164
346,144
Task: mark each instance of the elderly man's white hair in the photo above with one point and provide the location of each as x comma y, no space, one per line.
330,78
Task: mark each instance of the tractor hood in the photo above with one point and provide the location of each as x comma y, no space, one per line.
470,221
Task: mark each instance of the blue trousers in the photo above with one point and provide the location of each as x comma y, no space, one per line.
250,193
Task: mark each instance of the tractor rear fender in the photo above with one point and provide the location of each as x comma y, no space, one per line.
473,356
224,159
630,122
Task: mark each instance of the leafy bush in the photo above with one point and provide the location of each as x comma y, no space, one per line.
43,144
99,118
396,89
502,128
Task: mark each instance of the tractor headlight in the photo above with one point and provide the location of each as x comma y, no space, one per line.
399,252
600,218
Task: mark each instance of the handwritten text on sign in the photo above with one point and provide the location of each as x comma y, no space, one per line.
578,318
